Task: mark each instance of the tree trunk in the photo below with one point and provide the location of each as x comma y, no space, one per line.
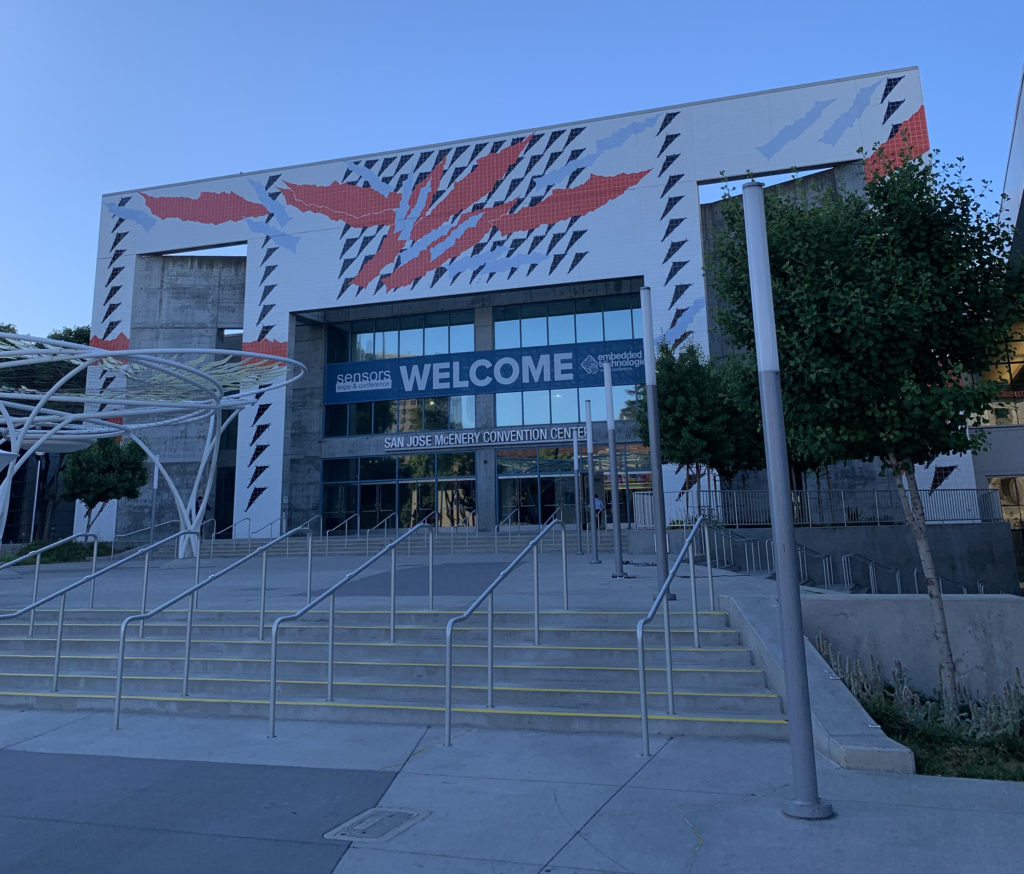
913,509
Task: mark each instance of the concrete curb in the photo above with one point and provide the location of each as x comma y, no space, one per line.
843,731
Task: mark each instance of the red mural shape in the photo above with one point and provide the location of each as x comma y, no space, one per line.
363,207
116,344
910,139
210,207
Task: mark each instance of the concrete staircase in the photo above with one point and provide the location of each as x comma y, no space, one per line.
446,541
582,676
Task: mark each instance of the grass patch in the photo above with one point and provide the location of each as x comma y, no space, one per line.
70,551
986,741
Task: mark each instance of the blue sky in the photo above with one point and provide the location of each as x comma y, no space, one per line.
102,97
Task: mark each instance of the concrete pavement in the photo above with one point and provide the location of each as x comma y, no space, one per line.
168,794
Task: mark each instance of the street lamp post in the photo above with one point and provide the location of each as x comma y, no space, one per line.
806,804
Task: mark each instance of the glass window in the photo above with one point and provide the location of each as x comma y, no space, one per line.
410,336
561,323
517,461
338,341
385,342
460,334
594,394
456,464
376,468
435,334
339,469
536,408
508,408
506,327
363,350
416,466
362,418
533,325
384,413
410,414
555,459
589,321
565,405
624,401
435,414
462,412
618,325
638,323
336,420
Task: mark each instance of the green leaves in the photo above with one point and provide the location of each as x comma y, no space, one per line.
888,302
106,471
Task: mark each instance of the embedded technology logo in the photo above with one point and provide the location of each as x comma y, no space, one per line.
590,365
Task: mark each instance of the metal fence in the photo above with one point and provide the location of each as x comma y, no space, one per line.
735,508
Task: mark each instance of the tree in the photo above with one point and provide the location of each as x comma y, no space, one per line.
106,471
888,306
701,415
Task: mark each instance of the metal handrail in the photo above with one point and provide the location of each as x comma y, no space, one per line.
461,524
63,593
279,521
383,522
497,528
327,536
127,534
751,547
231,528
192,591
331,592
802,554
38,553
488,595
873,567
978,584
687,549
306,524
213,522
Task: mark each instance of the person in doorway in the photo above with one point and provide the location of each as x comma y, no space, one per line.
598,509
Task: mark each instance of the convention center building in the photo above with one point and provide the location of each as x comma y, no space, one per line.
455,303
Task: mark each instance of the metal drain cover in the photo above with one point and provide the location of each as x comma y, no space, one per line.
376,824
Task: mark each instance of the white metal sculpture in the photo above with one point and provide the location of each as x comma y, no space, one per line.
58,396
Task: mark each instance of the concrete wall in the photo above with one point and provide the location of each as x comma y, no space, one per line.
180,302
963,553
986,634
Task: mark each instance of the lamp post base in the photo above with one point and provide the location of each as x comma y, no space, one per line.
805,810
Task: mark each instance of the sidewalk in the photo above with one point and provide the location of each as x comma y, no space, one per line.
79,797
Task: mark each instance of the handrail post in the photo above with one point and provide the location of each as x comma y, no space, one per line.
35,597
120,676
646,745
536,598
670,691
309,565
330,651
707,553
565,572
448,684
145,592
430,567
188,645
60,634
693,600
490,650
92,585
273,677
263,594
394,561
